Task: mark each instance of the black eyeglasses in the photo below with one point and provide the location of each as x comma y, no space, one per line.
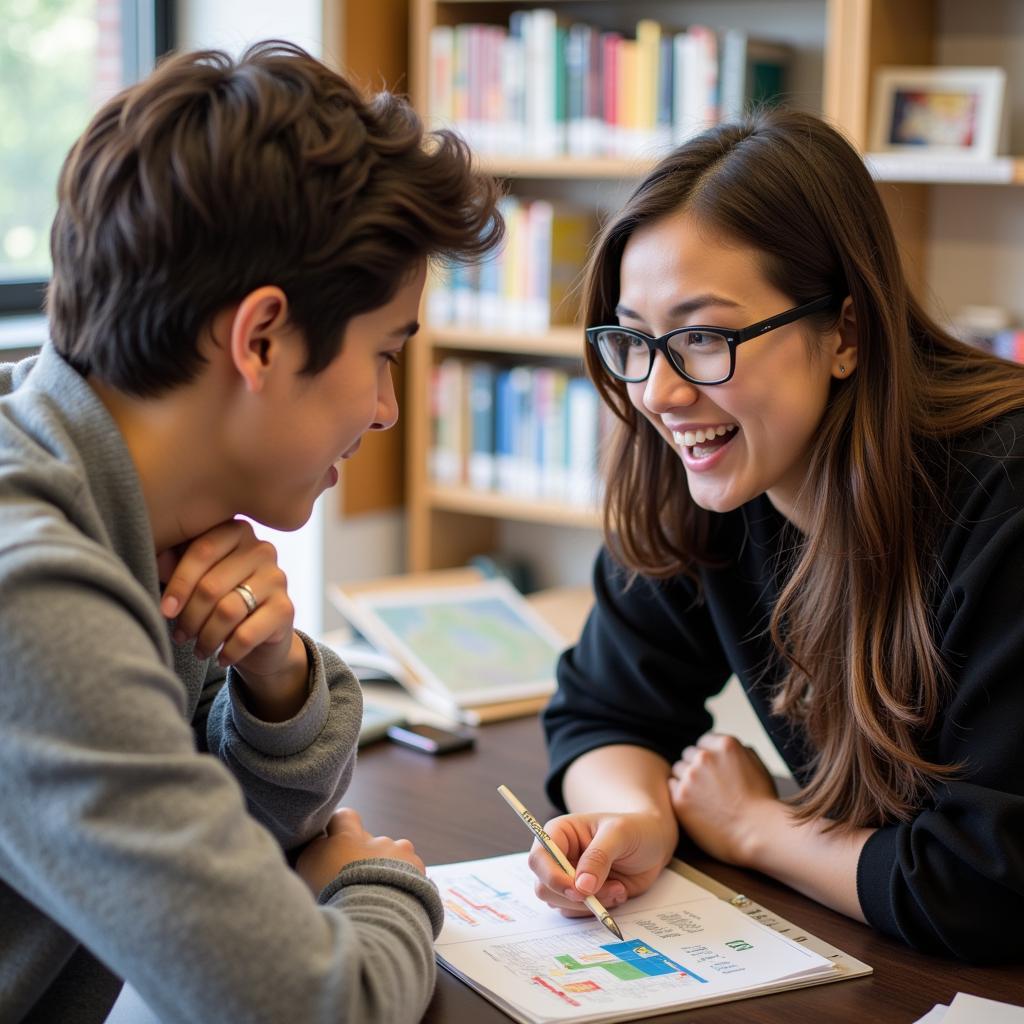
701,355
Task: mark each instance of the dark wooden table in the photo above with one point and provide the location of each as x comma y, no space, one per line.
449,808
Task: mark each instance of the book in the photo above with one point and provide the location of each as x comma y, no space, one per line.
481,468
450,442
442,50
648,55
570,232
545,89
752,73
583,410
688,941
474,649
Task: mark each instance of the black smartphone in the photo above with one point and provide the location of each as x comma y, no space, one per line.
430,739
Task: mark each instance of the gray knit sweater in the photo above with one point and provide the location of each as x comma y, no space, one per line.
126,849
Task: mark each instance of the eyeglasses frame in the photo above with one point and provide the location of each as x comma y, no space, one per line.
732,338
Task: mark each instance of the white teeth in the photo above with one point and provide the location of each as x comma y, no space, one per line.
691,437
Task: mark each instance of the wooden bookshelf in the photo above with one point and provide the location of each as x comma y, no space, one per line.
369,43
567,168
1005,170
560,342
448,524
503,506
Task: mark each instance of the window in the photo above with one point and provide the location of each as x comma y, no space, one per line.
59,61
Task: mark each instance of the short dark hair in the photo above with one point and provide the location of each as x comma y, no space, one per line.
213,177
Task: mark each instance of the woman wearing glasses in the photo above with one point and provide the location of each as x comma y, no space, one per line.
813,487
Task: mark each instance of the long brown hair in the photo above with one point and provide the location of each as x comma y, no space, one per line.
214,176
866,680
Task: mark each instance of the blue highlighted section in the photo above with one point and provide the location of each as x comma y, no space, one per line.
648,961
496,893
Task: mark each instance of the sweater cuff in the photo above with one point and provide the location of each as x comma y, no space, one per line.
874,879
394,873
284,739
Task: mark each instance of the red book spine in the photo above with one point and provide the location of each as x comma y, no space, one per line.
610,84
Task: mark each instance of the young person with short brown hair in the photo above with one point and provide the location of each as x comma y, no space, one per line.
239,254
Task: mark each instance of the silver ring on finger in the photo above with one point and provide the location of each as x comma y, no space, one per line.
244,591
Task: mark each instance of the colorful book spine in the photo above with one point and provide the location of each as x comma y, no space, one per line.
514,76
626,127
576,70
610,46
523,482
571,232
540,217
531,432
665,93
450,431
481,468
648,56
593,135
541,56
696,82
504,432
582,441
442,51
514,280
460,88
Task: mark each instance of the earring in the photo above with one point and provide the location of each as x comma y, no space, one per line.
842,369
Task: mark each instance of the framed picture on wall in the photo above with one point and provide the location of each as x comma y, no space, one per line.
938,111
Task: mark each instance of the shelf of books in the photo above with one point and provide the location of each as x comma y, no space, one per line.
516,433
504,424
545,84
565,101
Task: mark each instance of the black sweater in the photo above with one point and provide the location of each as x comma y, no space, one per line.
952,879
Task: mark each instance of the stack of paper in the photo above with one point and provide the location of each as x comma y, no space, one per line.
967,1009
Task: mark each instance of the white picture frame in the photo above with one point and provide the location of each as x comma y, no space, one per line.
946,112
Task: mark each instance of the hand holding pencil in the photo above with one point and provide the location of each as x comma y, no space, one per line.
592,903
623,852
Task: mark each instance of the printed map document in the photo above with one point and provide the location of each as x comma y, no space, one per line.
460,649
689,941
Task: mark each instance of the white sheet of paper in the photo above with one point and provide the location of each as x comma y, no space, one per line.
967,1009
684,946
935,1015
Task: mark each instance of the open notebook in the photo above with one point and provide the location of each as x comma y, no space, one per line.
689,941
